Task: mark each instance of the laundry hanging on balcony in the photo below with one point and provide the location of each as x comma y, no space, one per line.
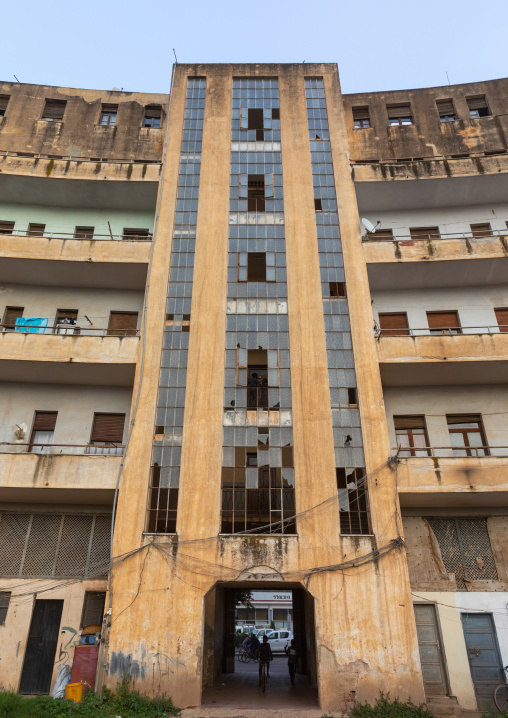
32,325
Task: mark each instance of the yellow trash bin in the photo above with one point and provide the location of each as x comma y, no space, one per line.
74,692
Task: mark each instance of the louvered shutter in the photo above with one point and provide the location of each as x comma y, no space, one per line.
443,320
476,103
463,418
45,421
394,324
481,230
502,319
10,316
424,232
123,324
445,107
108,428
395,111
54,110
409,422
361,113
93,609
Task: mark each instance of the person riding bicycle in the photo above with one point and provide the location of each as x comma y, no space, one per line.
254,645
265,655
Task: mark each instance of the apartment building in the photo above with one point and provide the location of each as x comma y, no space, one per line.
263,325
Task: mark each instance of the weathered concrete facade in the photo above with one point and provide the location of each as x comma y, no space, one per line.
356,586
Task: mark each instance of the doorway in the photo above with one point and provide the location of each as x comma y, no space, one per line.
283,614
431,654
484,656
41,647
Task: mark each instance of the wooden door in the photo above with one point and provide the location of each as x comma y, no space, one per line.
431,654
41,647
484,657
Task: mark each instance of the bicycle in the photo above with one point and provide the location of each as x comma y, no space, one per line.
501,695
263,675
244,656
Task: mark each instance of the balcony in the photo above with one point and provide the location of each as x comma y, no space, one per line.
91,356
443,479
479,355
58,473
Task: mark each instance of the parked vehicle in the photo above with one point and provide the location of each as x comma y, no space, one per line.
278,640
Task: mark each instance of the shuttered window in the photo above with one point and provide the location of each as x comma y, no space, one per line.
93,608
84,232
10,316
502,319
400,114
54,110
467,435
444,322
123,324
411,433
4,100
136,234
5,597
108,428
424,232
481,230
361,117
478,106
446,110
45,421
381,234
394,324
36,230
43,430
153,114
6,227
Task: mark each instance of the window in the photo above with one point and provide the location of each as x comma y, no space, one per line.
36,230
256,188
54,110
467,435
280,615
337,289
481,230
246,614
258,120
4,101
153,115
381,234
6,227
428,233
318,204
256,267
361,118
84,232
258,369
123,324
261,615
478,107
446,111
136,234
107,434
444,323
5,597
93,608
65,321
502,319
108,115
400,114
352,396
353,501
466,549
393,324
43,429
162,505
10,316
411,433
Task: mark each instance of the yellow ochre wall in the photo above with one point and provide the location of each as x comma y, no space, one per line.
365,631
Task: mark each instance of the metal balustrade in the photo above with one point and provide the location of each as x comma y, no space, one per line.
57,234
450,452
74,330
491,234
444,331
102,449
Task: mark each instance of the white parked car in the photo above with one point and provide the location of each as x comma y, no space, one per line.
279,639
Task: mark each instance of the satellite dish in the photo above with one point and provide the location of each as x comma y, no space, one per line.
368,225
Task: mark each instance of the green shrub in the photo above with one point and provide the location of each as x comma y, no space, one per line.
386,708
125,702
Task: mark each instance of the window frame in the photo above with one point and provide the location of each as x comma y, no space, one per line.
390,332
108,111
437,331
413,449
470,450
272,256
62,105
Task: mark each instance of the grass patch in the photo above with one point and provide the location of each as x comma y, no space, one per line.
125,702
386,708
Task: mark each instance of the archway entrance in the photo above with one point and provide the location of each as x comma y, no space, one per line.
227,681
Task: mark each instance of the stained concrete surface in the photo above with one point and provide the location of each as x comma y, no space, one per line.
240,690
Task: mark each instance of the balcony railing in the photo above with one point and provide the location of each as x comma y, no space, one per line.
443,331
104,449
449,452
74,158
491,234
75,330
57,234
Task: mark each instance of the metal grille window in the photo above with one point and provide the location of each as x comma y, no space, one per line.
361,119
5,597
478,107
54,110
108,115
446,111
400,114
40,545
347,432
466,549
4,101
153,115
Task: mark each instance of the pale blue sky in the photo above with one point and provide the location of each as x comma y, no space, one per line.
378,44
